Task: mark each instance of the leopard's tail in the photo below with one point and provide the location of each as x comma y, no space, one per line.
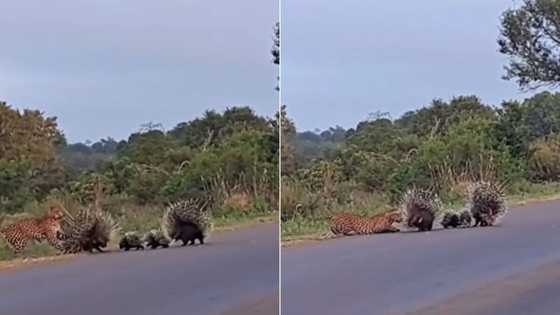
335,230
334,227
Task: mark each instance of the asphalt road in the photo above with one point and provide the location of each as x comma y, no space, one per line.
234,273
511,269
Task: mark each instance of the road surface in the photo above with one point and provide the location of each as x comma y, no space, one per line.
234,273
512,269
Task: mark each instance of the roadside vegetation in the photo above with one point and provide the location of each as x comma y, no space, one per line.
442,146
230,157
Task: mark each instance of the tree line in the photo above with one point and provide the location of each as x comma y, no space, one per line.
217,155
444,144
431,147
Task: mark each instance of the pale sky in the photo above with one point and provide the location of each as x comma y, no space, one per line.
343,60
105,67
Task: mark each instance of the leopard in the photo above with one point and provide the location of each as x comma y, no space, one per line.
352,224
18,235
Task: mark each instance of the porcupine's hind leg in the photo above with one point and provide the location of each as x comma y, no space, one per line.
200,238
419,223
476,221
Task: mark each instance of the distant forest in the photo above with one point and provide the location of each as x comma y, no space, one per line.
230,157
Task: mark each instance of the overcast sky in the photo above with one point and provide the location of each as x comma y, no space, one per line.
105,67
345,59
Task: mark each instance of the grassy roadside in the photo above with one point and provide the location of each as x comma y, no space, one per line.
309,229
43,252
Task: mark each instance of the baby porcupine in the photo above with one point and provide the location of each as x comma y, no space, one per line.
187,221
131,240
465,219
155,239
450,219
454,220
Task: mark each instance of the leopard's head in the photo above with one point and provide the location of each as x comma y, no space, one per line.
55,213
394,216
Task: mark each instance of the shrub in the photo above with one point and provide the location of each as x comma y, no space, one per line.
544,159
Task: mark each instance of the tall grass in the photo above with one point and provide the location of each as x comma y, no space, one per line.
306,212
236,208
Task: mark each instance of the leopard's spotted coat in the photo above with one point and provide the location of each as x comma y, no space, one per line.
349,224
19,234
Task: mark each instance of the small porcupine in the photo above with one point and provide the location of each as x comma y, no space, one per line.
465,218
131,240
88,230
454,219
450,219
486,201
155,239
419,208
187,221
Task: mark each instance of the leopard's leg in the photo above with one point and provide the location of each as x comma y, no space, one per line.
19,246
54,240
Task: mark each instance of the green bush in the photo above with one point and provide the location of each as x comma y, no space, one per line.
544,159
15,191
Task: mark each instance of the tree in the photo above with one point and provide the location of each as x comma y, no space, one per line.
519,124
28,135
440,116
214,127
530,37
287,138
148,147
544,159
29,138
14,188
276,50
276,45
